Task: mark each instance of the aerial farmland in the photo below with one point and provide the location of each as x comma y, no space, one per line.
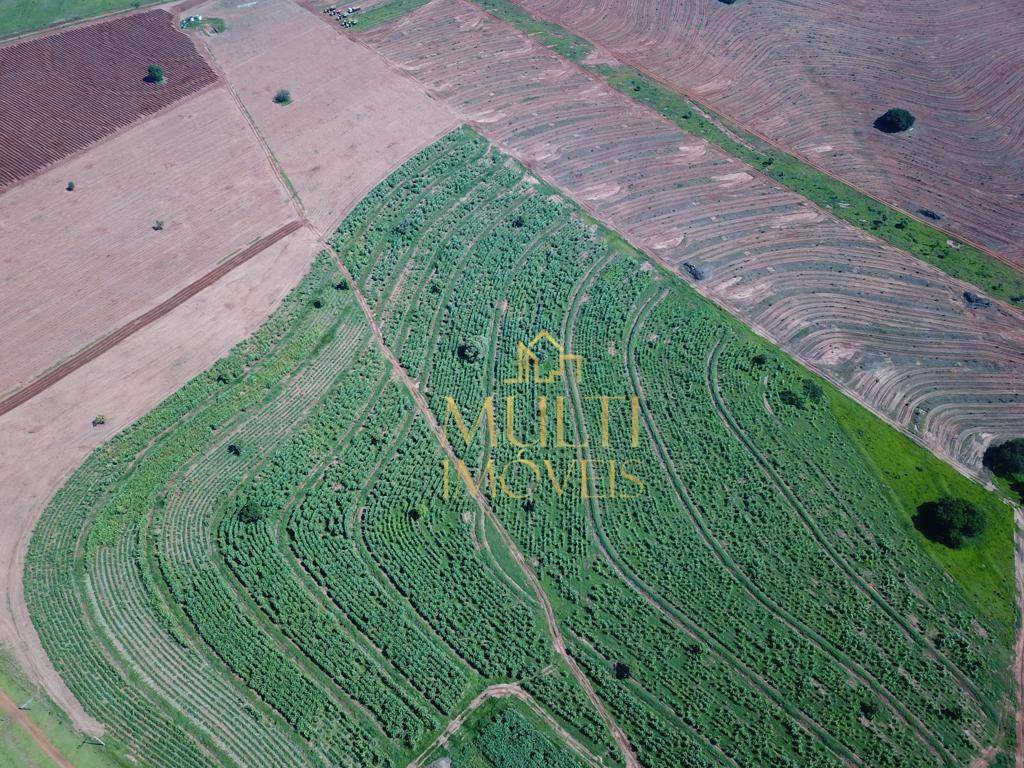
510,383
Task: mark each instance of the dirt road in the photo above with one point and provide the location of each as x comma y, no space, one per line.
75,362
501,691
18,716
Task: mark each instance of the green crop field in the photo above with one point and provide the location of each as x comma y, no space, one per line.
304,557
21,16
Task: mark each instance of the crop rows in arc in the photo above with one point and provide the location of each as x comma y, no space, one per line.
211,554
146,719
741,507
713,618
65,91
813,77
273,563
870,317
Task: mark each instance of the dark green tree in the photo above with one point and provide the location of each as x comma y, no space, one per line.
895,120
283,97
1006,459
154,74
251,512
949,521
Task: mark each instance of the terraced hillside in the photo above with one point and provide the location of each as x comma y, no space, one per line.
930,353
813,75
316,554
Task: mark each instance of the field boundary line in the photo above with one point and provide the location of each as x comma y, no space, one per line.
974,473
108,342
118,133
64,26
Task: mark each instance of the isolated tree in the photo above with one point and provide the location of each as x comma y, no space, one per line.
1006,459
949,521
70,187
154,74
472,350
791,398
251,512
99,419
158,225
895,120
283,97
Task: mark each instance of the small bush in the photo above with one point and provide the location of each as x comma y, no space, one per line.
70,187
949,521
895,120
99,419
283,97
813,390
158,225
154,74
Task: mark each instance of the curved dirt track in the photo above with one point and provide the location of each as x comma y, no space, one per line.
47,437
812,76
892,331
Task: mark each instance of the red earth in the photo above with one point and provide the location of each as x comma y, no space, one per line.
65,91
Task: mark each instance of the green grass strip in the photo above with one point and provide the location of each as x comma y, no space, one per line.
931,245
20,16
907,233
553,36
385,12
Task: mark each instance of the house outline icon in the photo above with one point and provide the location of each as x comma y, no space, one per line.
528,360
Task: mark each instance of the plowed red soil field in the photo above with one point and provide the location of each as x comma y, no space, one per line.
62,92
74,266
812,75
896,333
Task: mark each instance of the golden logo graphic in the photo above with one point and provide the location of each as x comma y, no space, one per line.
529,360
571,441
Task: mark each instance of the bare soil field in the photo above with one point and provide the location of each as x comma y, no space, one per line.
47,438
899,335
812,76
76,265
352,119
64,91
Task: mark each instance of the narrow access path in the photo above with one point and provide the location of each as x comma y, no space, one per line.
554,631
503,690
18,716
